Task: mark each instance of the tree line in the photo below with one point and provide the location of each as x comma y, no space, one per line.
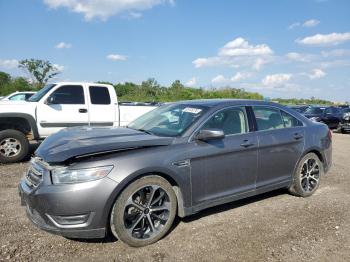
42,71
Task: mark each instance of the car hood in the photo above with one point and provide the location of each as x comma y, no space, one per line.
83,141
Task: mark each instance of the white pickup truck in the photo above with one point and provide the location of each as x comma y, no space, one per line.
58,106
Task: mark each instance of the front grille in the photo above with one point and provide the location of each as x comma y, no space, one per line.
34,175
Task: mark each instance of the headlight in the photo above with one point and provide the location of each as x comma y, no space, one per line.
69,176
315,119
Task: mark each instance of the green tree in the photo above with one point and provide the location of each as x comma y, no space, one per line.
177,85
5,79
40,70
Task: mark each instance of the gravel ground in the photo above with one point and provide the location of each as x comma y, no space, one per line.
271,227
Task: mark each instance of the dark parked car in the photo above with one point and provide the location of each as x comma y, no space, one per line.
175,160
329,115
344,125
299,108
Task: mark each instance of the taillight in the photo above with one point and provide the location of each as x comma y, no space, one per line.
330,133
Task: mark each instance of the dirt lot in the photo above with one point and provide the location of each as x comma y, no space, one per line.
272,227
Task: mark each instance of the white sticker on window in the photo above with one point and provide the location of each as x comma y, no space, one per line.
192,110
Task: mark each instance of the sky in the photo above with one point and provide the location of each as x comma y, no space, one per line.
279,48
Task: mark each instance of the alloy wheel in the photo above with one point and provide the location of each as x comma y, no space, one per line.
310,175
146,212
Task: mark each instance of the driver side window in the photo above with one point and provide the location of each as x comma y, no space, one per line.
231,121
72,95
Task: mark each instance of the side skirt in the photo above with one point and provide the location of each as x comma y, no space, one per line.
195,209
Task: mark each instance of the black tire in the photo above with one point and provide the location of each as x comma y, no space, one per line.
121,212
18,141
305,182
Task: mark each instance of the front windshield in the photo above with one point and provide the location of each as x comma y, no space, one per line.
42,92
314,110
169,120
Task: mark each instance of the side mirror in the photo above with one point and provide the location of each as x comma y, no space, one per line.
50,100
210,134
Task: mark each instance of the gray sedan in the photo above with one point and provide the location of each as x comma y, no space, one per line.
176,160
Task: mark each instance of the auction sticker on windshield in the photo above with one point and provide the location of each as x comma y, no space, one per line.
192,110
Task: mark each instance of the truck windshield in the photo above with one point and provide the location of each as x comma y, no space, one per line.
42,92
168,120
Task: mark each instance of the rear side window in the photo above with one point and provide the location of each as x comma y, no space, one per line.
99,95
73,95
289,120
268,118
17,97
231,121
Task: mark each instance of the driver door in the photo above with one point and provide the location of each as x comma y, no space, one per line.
65,107
224,167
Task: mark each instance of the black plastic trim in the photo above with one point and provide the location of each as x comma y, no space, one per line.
27,117
76,124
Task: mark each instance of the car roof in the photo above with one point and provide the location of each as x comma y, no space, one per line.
218,102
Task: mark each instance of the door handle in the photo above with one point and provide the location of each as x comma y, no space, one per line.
246,143
82,110
298,136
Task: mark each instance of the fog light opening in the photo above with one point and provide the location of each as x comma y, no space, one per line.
71,220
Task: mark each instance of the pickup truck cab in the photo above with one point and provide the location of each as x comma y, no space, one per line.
57,106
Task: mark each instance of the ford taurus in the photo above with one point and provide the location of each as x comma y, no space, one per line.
176,160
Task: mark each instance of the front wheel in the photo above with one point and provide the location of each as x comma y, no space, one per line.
14,146
144,211
306,178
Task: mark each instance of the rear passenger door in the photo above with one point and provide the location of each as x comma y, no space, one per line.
102,111
281,143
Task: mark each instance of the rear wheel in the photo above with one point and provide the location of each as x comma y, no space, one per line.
144,212
307,176
14,146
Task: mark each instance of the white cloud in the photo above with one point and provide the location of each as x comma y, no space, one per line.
300,57
209,61
59,68
62,45
259,62
191,82
336,53
294,25
116,57
238,53
239,76
103,9
311,23
307,23
295,57
241,47
8,63
220,79
325,40
317,73
276,80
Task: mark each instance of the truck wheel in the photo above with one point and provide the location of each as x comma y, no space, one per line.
144,211
14,146
306,178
